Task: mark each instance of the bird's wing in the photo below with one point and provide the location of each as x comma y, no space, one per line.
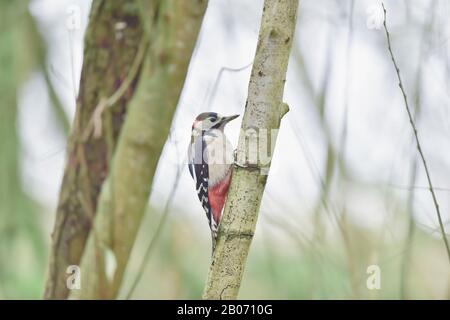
198,168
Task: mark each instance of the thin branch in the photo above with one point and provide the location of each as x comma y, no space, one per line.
416,136
219,77
408,188
410,236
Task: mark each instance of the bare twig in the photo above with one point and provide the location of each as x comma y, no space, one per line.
416,136
72,66
407,257
341,157
407,188
409,238
219,77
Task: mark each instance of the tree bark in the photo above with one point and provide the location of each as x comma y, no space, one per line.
109,54
263,113
174,29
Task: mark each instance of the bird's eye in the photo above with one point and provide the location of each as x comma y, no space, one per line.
213,119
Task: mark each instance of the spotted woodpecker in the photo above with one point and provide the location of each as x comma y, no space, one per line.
210,157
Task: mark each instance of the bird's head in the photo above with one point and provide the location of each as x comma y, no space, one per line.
210,121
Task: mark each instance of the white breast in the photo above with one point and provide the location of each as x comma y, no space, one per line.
220,155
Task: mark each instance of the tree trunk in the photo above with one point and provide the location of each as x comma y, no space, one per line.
174,28
108,58
263,113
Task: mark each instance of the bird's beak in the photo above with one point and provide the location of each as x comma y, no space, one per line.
225,120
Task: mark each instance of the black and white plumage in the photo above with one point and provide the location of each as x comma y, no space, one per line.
210,157
200,173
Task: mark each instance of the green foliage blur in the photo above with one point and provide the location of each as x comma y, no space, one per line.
290,267
22,247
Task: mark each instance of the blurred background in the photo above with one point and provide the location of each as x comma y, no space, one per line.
346,188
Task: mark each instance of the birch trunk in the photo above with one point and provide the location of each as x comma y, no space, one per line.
263,113
174,29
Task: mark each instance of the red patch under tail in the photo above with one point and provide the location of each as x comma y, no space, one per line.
217,195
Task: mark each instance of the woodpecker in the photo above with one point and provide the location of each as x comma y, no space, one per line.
210,157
